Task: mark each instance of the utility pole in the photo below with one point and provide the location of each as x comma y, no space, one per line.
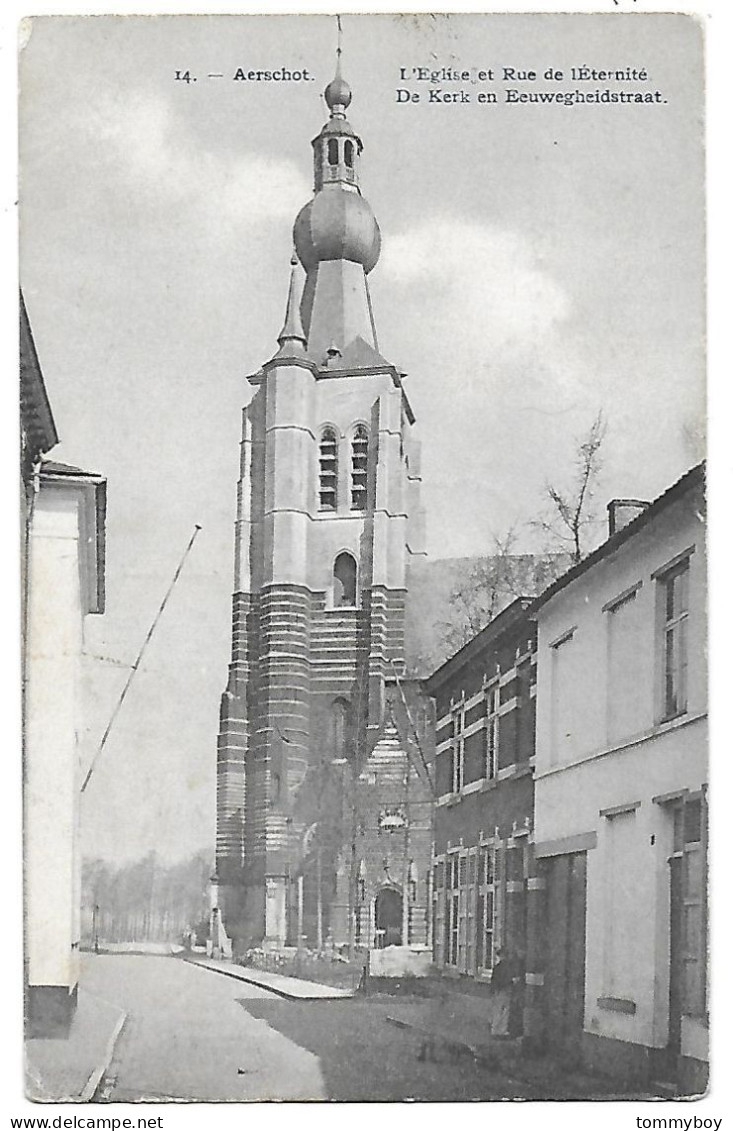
353,779
433,798
300,911
405,863
319,898
352,863
139,657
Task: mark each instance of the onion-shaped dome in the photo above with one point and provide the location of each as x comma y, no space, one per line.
337,224
338,93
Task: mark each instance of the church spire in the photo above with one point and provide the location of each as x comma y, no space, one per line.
336,236
291,338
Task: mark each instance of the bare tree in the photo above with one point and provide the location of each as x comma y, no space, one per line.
570,512
492,583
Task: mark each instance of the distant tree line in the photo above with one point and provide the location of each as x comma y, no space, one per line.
145,901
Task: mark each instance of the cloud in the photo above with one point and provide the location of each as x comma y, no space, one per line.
499,372
487,279
481,311
162,161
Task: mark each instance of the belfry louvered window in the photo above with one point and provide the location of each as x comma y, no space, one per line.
359,453
328,471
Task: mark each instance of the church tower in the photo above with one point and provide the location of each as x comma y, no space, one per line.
328,519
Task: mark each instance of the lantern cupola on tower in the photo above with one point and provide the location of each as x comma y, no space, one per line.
336,235
337,148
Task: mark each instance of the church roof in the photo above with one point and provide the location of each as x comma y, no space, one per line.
53,467
388,751
35,410
392,756
358,354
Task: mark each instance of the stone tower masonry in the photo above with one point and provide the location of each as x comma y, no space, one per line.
328,520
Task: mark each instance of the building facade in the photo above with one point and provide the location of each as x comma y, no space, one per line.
63,581
328,521
391,850
485,892
620,786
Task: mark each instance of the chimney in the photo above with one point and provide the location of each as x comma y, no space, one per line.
623,511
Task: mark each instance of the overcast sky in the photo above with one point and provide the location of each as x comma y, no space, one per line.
539,263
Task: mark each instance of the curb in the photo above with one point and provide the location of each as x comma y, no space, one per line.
277,990
88,1091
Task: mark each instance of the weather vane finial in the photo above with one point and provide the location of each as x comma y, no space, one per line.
338,91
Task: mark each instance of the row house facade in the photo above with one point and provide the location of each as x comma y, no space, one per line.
621,795
485,893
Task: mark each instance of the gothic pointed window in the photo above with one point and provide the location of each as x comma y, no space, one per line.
359,454
328,471
344,581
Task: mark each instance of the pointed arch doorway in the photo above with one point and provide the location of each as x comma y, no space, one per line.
388,917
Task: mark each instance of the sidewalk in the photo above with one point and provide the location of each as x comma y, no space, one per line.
453,1024
295,989
69,1070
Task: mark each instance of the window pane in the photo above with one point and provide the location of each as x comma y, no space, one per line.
683,590
682,665
670,606
670,663
693,824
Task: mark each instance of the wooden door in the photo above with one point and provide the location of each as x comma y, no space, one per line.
676,966
388,916
687,921
565,942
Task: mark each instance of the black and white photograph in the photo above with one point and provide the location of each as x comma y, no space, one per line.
364,578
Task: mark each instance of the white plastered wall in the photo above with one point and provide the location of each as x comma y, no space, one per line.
590,774
52,775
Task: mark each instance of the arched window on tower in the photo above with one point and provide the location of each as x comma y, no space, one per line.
349,154
328,471
333,151
344,581
359,454
340,720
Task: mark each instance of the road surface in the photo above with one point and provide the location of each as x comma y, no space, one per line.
189,1035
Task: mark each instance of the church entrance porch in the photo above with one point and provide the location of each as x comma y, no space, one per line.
388,917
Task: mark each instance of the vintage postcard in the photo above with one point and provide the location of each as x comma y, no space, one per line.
364,557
